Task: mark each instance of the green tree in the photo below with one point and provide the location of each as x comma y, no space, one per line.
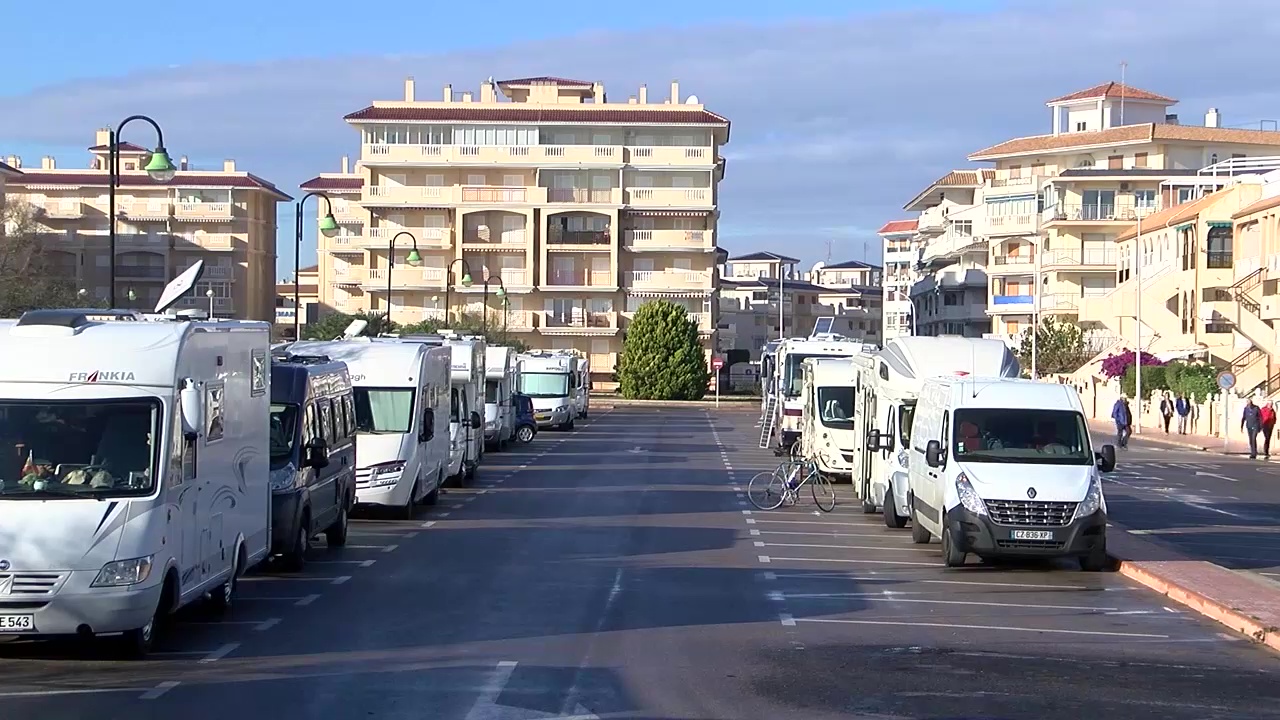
1153,379
28,278
1059,347
332,325
1195,380
470,324
662,357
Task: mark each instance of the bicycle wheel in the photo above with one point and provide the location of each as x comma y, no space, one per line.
824,493
767,491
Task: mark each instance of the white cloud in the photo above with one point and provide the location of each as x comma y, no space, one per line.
835,124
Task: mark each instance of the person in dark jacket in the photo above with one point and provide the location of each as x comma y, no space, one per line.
1166,411
1123,418
1251,424
1183,407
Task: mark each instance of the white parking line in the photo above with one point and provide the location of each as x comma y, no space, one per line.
876,577
69,691
267,624
1006,628
850,560
390,548
305,601
848,547
160,689
341,579
894,596
220,653
428,523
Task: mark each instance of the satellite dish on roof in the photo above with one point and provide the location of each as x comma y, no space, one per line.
693,100
818,266
356,327
179,286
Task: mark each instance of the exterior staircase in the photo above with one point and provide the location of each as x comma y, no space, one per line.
1255,368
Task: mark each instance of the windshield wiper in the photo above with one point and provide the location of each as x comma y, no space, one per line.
47,493
987,457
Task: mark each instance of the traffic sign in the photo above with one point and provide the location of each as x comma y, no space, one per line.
1226,380
717,362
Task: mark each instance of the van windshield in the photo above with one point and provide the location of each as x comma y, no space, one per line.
906,413
545,384
491,391
383,410
1021,435
78,448
836,406
284,429
792,377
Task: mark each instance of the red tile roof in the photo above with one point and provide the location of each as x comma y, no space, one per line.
127,147
1128,134
334,184
898,226
512,112
1257,207
1112,90
547,80
1175,215
182,179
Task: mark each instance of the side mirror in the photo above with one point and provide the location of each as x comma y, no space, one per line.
191,405
477,422
428,430
318,454
933,454
1107,458
873,440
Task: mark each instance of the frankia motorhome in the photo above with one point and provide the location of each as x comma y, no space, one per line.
133,467
1003,467
551,380
788,382
889,381
401,393
467,376
499,383
827,433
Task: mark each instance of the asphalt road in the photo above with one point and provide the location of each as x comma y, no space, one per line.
615,572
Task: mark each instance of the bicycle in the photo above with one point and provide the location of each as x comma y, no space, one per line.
769,490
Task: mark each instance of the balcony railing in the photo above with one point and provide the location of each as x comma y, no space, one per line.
1060,301
669,279
1025,300
662,239
1018,260
670,155
495,154
434,237
580,319
1023,181
409,195
1096,213
1088,257
487,237
407,277
63,208
498,195
669,197
202,210
600,238
143,272
1219,260
517,320
606,196
218,272
581,278
602,362
1011,223
144,208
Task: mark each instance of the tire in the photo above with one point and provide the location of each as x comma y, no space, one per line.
223,597
468,473
296,558
919,534
765,491
410,508
136,644
1096,561
891,517
524,434
336,534
824,493
433,497
952,556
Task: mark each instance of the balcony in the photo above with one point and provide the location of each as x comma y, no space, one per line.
218,272
408,195
518,320
406,277
434,238
63,209
932,220
669,197
580,239
667,155
703,321
212,241
604,363
900,256
497,195
567,279
588,196
141,240
1012,263
1014,302
349,275
1095,213
143,272
486,239
669,279
1091,258
641,240
580,322
143,209
1012,224
491,154
1060,303
202,210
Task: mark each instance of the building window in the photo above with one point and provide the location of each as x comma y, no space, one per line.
1082,126
1139,160
1115,162
1218,249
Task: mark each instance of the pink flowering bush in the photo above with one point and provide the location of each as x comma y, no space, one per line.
1116,364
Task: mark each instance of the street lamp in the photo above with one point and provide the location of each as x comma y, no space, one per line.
448,284
501,292
159,167
328,227
506,313
82,294
413,259
209,294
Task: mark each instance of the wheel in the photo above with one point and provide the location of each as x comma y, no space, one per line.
524,434
919,534
824,493
433,497
952,556
891,517
469,473
223,596
336,534
135,644
766,491
1097,560
296,558
411,506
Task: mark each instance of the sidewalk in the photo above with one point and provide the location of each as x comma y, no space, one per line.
1104,432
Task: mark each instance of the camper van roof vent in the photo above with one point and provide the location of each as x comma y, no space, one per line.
74,318
287,357
425,338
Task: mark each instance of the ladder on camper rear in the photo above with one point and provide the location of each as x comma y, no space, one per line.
769,420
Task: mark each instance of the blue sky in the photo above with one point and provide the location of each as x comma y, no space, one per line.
841,110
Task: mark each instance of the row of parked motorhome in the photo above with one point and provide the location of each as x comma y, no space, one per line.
942,434
148,461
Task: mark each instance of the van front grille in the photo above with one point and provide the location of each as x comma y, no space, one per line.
28,585
1030,513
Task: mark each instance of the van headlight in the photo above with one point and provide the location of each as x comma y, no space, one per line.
968,496
1092,500
122,573
386,473
903,456
283,478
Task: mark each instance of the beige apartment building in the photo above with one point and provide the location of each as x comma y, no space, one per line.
307,299
578,208
1055,203
225,217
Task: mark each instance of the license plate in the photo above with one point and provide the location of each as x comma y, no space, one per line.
17,623
543,416
1032,535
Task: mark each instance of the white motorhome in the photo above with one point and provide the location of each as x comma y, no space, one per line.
134,472
401,393
551,381
827,432
499,383
466,405
784,425
1004,467
890,380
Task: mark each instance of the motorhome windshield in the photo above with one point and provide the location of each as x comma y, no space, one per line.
836,404
1021,435
491,391
383,410
792,375
544,384
284,430
78,448
906,413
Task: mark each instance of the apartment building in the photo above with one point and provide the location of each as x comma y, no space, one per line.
308,299
7,172
850,273
1256,244
226,217
900,258
578,209
1054,204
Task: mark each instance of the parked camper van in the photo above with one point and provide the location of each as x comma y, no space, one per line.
551,380
401,396
783,425
889,382
499,384
1003,467
466,415
827,433
313,454
133,468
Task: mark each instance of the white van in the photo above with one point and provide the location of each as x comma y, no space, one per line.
134,473
401,393
499,383
788,382
466,406
827,433
1002,467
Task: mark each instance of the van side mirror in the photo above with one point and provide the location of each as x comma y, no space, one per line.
191,406
873,440
933,454
317,455
1107,458
428,430
477,422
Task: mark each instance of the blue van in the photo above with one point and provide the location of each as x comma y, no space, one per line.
313,454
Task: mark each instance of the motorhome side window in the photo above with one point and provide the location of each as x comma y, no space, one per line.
326,421
312,424
348,402
1021,435
906,416
214,424
453,406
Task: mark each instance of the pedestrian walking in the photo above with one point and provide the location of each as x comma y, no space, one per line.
1183,407
1166,410
1251,424
1267,418
1122,416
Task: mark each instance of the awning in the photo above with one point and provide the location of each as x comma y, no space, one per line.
1185,226
1219,223
670,213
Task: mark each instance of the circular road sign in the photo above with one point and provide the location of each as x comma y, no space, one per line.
1226,380
717,363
